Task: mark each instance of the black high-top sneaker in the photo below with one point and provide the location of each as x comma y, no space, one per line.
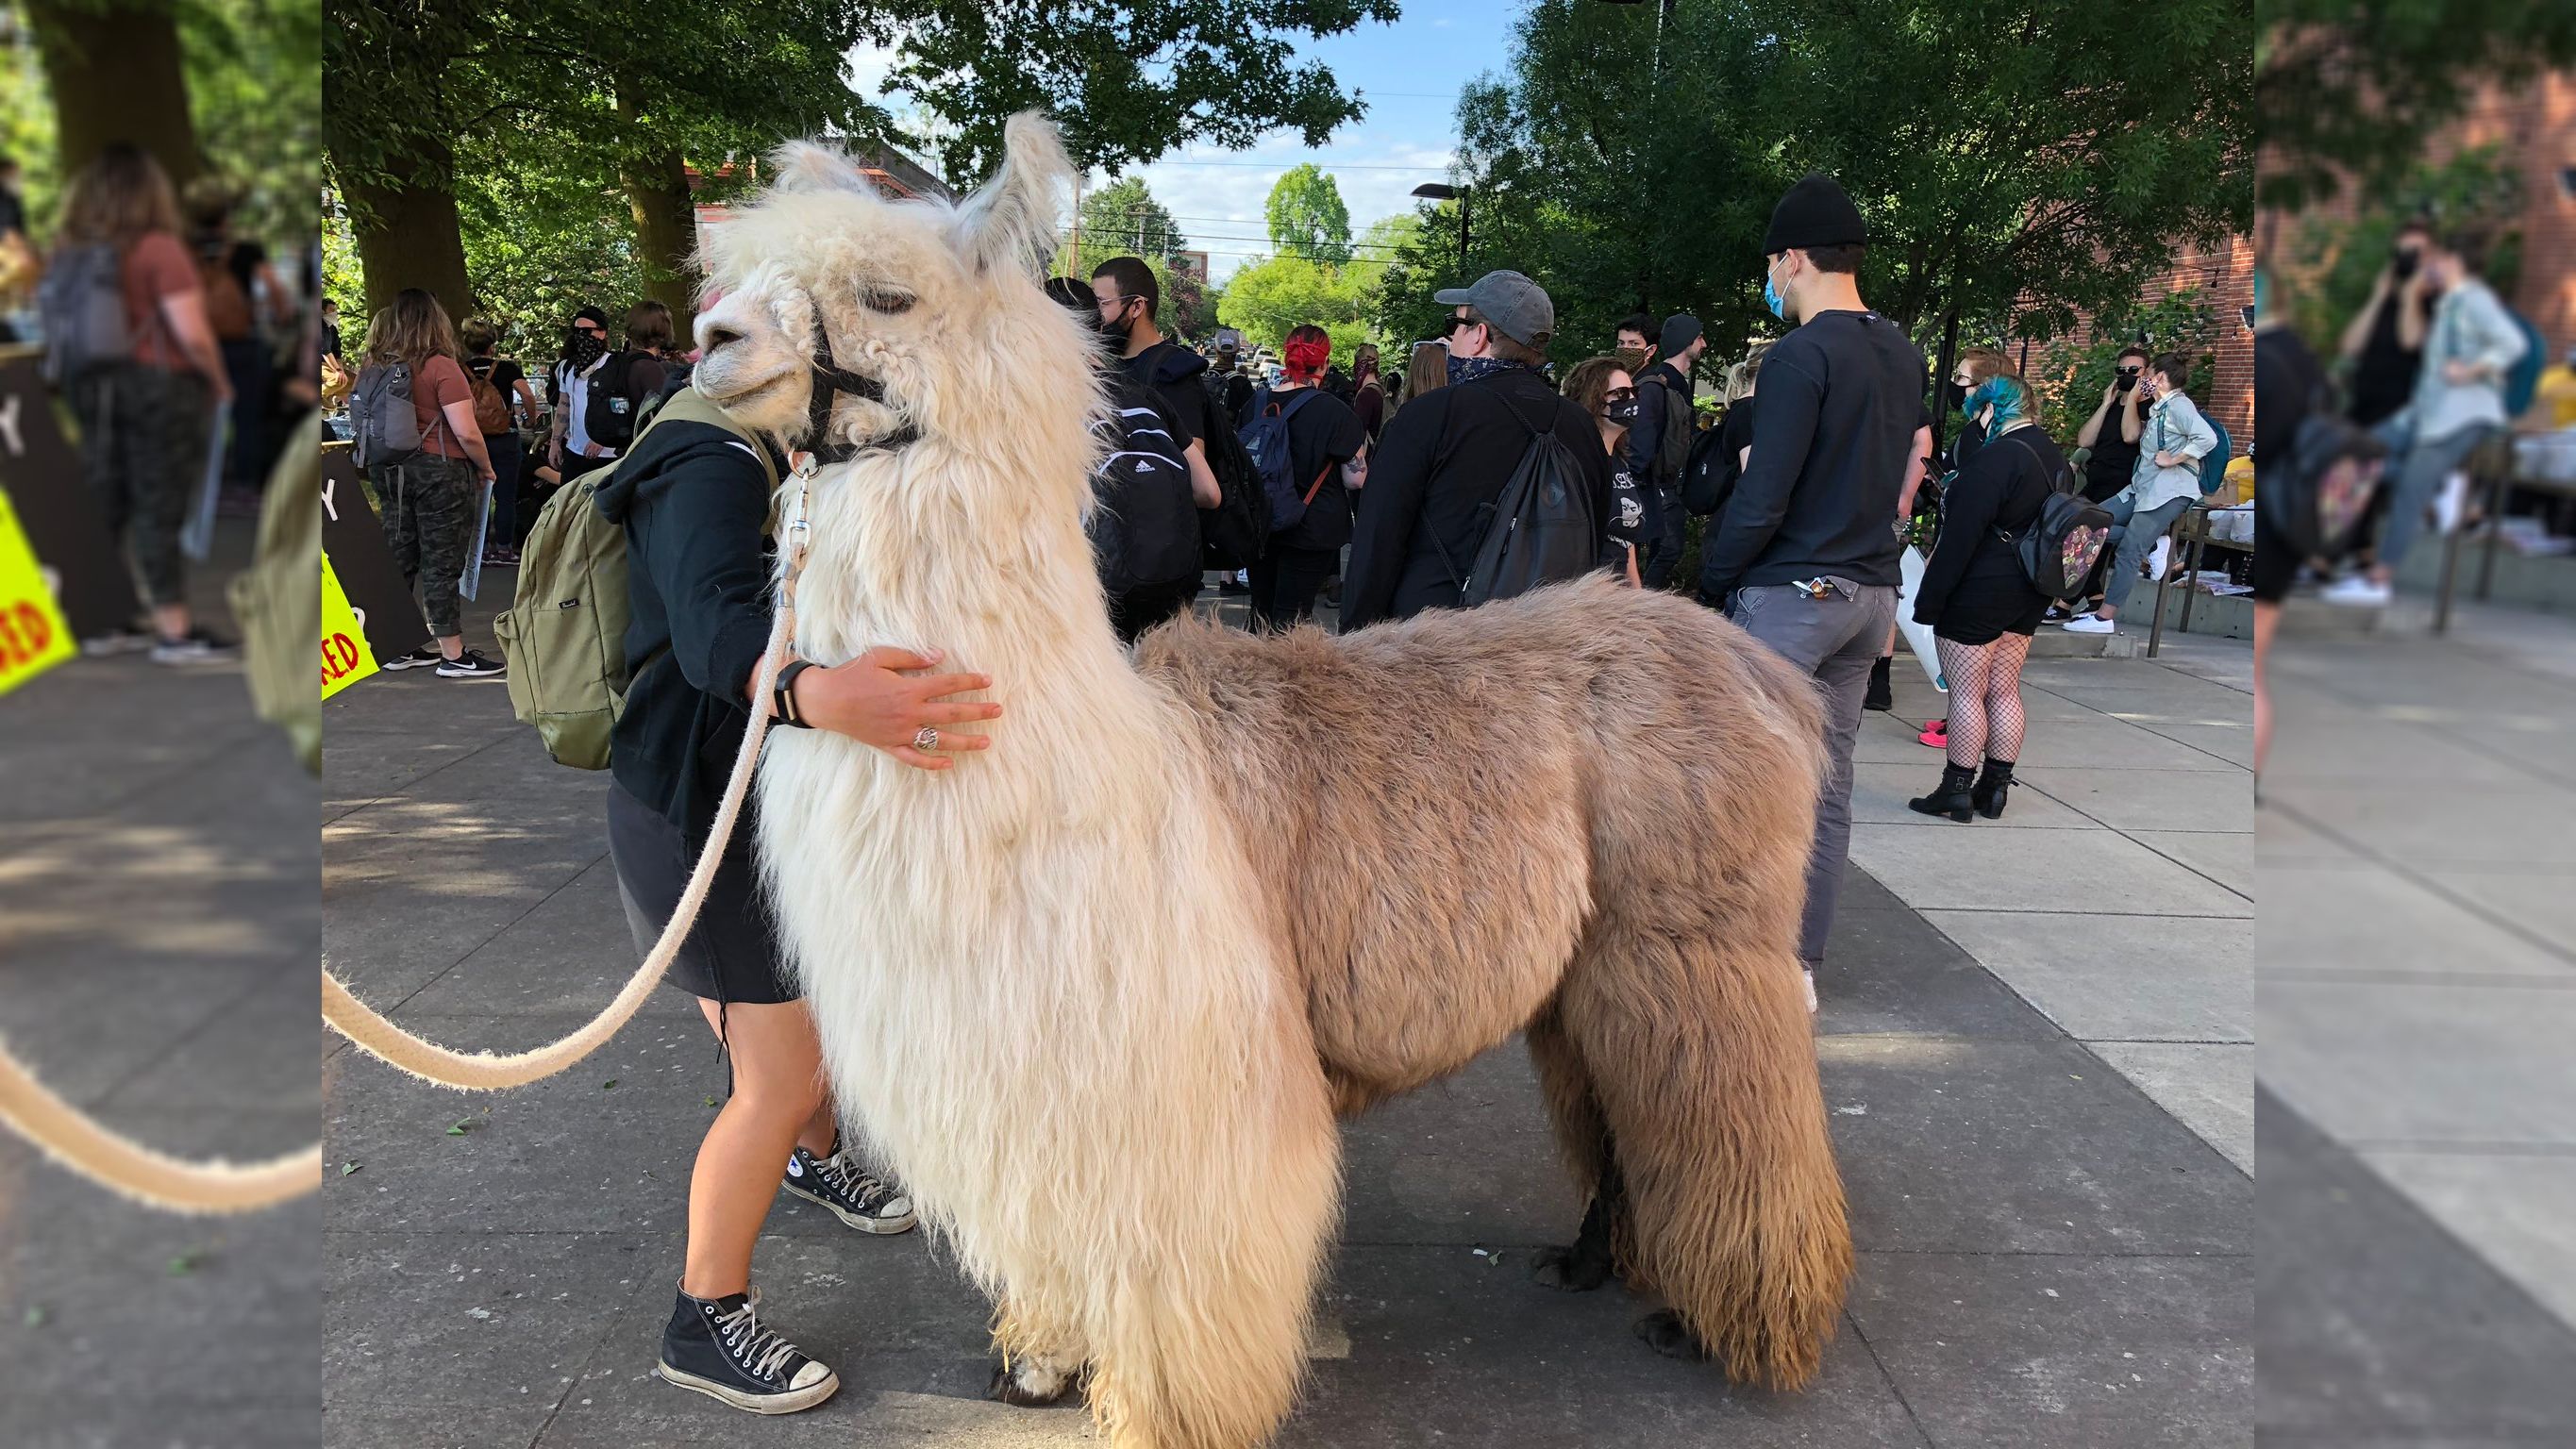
718,1347
836,1183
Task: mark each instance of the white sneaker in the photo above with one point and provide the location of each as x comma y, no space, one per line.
2356,592
2090,624
2156,560
1811,990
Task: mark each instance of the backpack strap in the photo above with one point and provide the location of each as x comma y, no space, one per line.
690,405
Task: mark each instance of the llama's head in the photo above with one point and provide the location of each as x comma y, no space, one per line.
931,311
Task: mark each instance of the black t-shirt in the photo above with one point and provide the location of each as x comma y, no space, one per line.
2383,377
1974,583
1322,435
13,214
1829,459
2115,459
331,340
1632,518
2288,385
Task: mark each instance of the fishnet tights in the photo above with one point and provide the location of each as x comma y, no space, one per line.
1985,698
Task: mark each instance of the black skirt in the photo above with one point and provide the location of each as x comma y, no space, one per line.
1995,599
731,952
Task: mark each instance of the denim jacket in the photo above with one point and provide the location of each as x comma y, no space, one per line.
2173,425
2470,324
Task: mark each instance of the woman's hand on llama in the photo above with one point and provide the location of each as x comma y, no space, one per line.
874,701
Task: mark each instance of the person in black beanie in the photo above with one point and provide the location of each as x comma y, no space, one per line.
1805,555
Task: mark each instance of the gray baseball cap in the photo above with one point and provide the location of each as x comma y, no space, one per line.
1516,306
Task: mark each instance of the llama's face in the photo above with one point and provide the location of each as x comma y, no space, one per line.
931,302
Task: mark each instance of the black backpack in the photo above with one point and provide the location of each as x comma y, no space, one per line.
1708,473
1237,531
1677,441
2315,498
1539,530
2059,547
609,413
1144,528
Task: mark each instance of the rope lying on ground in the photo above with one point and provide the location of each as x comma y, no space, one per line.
74,1139
78,1142
442,1066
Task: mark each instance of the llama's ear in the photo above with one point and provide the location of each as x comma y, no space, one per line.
1010,224
807,166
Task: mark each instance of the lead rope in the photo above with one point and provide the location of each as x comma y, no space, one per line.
79,1143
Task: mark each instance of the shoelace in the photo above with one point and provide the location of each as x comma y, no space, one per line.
841,1170
761,1351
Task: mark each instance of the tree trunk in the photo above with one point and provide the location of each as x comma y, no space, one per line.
1949,359
666,231
115,76
407,233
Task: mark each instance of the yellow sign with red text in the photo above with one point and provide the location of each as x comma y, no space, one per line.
33,636
346,659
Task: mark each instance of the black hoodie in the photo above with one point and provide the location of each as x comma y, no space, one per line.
695,505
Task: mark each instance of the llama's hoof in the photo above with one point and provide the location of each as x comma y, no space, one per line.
1666,1335
1028,1386
1570,1270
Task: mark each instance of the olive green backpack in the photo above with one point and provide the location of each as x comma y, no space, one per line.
277,601
565,633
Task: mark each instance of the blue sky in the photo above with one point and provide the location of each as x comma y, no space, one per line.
1409,72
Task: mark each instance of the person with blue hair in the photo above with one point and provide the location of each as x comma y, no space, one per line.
1979,600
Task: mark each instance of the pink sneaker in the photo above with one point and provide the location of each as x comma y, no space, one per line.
1936,733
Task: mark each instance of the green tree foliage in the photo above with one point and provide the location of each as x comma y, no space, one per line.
1123,219
2351,88
2013,158
448,116
1269,297
1307,217
253,72
1128,79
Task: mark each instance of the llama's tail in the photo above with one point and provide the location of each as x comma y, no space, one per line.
1701,1058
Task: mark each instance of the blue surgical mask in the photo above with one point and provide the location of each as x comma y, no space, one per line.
1771,296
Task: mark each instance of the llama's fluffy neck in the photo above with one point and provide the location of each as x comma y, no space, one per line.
983,557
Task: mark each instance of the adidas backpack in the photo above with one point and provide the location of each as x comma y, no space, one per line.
565,632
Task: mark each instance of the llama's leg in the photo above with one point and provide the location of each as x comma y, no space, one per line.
1039,1366
1204,1342
1705,1070
1585,1141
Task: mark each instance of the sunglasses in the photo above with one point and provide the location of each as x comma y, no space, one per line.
2131,371
1619,394
1454,326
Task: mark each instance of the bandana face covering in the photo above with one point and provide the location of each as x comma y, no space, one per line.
582,349
1468,369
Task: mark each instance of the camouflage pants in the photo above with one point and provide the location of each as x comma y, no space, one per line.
429,522
143,454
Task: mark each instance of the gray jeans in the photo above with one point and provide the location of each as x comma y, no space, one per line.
2134,533
2422,464
1837,639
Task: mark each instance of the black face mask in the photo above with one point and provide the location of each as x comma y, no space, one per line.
581,349
1623,412
2406,262
1953,397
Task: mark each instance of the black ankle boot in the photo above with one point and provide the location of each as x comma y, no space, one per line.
1951,798
1881,695
1992,787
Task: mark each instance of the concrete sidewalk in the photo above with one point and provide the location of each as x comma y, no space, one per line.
158,925
2418,1000
2048,1257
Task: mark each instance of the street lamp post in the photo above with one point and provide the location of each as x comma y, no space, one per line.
1441,191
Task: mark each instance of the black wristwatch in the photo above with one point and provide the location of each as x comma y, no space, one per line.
782,699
